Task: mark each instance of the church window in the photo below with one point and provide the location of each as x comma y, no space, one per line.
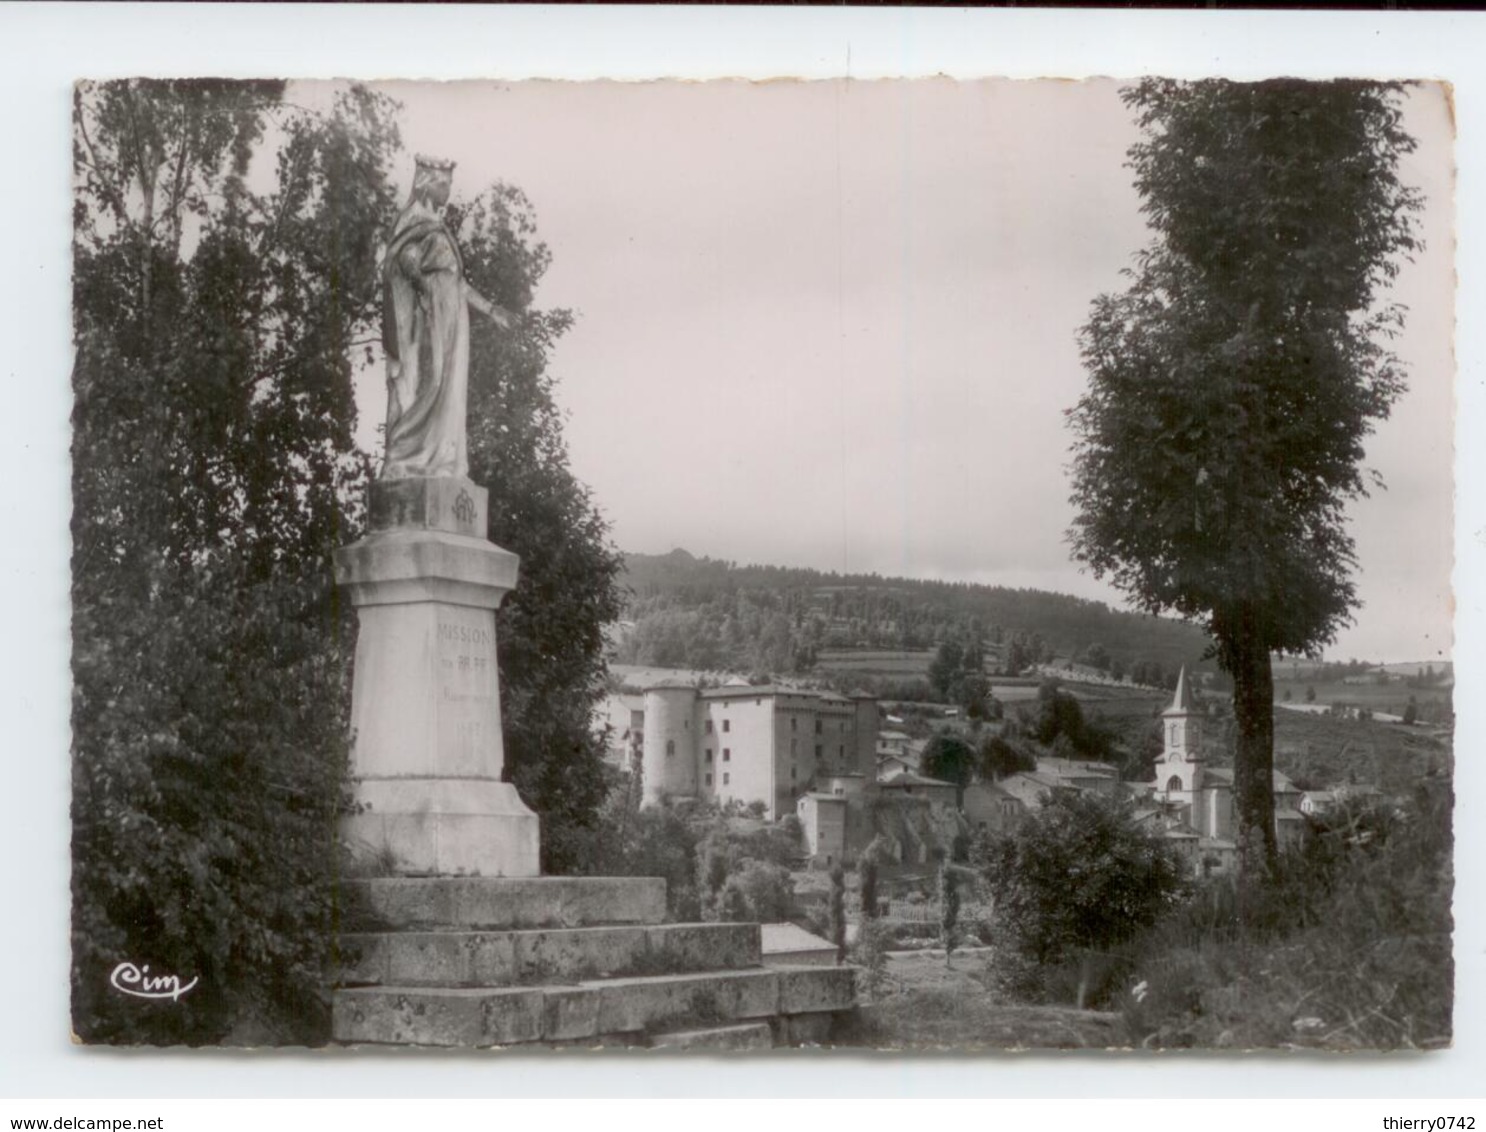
1175,783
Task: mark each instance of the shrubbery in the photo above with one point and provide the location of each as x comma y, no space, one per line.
1348,948
1076,879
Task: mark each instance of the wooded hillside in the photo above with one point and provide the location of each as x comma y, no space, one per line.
685,611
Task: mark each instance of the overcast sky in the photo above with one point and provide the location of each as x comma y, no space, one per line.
833,324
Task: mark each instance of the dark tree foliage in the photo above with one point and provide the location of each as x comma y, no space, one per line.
949,907
949,758
836,911
551,626
998,759
867,872
1077,877
216,315
1232,384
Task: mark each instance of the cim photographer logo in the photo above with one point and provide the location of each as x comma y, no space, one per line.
137,982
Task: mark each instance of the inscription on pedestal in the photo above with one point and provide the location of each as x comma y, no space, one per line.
469,712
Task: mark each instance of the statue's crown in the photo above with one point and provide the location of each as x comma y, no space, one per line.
439,164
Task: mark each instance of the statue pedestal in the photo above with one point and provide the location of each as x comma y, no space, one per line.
425,704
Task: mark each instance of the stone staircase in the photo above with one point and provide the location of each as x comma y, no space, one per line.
587,961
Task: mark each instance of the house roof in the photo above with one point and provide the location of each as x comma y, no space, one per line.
908,778
988,788
759,691
1075,768
670,684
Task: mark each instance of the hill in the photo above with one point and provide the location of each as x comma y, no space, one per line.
685,611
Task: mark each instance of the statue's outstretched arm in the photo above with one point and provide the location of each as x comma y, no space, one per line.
497,314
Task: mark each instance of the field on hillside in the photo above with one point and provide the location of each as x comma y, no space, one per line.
897,664
1319,751
1392,698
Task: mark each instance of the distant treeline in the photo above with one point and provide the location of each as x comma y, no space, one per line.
705,613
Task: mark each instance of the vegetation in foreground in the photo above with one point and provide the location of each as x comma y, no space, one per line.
218,325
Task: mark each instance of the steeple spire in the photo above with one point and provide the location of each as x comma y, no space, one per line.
1182,703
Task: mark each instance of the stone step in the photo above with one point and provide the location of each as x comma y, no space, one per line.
744,1035
500,903
515,958
482,1016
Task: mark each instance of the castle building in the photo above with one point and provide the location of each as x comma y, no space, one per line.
746,743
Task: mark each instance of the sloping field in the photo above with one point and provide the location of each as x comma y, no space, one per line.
897,664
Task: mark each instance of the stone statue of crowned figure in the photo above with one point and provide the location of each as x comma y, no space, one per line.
426,333
427,748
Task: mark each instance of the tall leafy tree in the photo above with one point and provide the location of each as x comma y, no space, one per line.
1232,384
224,273
552,665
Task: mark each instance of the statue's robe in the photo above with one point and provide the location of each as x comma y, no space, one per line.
426,334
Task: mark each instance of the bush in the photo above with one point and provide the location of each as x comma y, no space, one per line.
655,842
207,782
870,954
1076,879
1347,949
757,892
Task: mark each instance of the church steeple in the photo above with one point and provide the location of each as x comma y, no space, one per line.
1179,723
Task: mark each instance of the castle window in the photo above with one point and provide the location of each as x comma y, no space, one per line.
727,725
727,754
819,727
709,727
709,754
794,723
819,751
670,747
793,774
725,778
709,780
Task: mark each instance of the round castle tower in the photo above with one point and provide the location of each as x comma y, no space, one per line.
669,758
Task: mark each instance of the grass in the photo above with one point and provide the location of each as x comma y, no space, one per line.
924,1006
1351,950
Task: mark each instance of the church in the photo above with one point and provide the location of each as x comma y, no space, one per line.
1196,800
